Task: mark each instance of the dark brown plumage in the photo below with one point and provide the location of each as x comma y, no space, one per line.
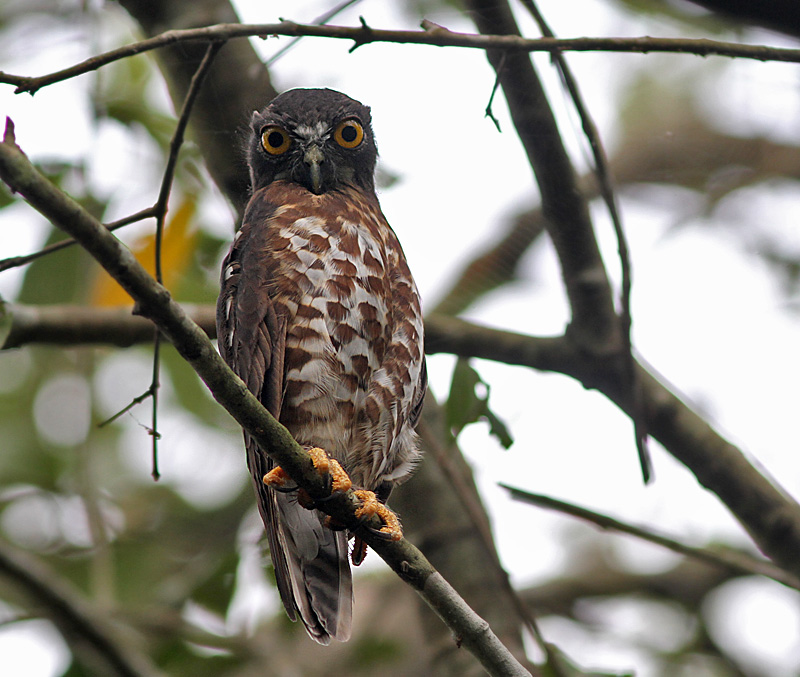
320,317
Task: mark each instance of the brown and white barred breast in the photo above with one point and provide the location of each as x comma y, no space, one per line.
353,361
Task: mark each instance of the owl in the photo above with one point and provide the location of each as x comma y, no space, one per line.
320,317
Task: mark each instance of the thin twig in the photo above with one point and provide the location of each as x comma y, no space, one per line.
17,261
736,561
605,181
321,20
134,402
445,38
161,207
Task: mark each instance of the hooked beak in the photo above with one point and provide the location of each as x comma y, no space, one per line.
314,158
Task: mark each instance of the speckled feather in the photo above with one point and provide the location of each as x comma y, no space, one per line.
320,317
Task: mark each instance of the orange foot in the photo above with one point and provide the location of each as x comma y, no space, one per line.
325,465
370,505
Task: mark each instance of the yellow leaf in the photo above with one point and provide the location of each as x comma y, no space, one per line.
177,246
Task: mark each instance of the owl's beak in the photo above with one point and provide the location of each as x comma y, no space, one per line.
314,158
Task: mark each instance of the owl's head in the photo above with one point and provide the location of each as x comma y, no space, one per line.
318,138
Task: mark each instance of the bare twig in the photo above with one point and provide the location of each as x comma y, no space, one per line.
17,261
735,561
153,301
444,38
160,212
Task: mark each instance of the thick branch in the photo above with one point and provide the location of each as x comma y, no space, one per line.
65,325
772,518
154,302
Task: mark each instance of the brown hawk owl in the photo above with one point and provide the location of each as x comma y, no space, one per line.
319,315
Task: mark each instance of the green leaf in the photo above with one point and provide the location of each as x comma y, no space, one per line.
468,403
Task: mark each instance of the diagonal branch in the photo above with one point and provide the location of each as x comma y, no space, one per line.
155,303
605,183
732,560
594,323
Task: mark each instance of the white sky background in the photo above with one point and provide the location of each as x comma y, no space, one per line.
707,315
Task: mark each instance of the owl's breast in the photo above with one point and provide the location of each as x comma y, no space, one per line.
331,283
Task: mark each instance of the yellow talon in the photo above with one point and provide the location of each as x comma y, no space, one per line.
340,481
370,505
277,477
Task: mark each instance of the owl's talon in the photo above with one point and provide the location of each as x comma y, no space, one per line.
325,465
336,478
276,479
370,505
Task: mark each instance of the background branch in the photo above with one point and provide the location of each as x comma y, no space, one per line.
100,646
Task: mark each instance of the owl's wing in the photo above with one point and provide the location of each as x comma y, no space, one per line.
311,568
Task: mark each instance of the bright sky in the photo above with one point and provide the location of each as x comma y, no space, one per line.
707,315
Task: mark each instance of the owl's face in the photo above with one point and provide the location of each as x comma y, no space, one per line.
318,138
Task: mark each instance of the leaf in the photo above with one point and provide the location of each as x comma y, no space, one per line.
177,248
468,403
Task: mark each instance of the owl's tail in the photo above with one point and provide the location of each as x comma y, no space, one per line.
312,570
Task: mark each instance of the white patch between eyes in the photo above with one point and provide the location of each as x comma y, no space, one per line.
316,132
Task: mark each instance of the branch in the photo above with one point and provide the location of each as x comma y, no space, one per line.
738,562
439,38
101,646
66,325
770,516
155,303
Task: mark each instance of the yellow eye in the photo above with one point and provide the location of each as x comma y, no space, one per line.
275,140
349,133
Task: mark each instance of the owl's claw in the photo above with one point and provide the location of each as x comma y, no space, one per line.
335,476
370,505
327,466
276,479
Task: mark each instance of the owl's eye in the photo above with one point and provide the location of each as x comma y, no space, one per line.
349,133
275,140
